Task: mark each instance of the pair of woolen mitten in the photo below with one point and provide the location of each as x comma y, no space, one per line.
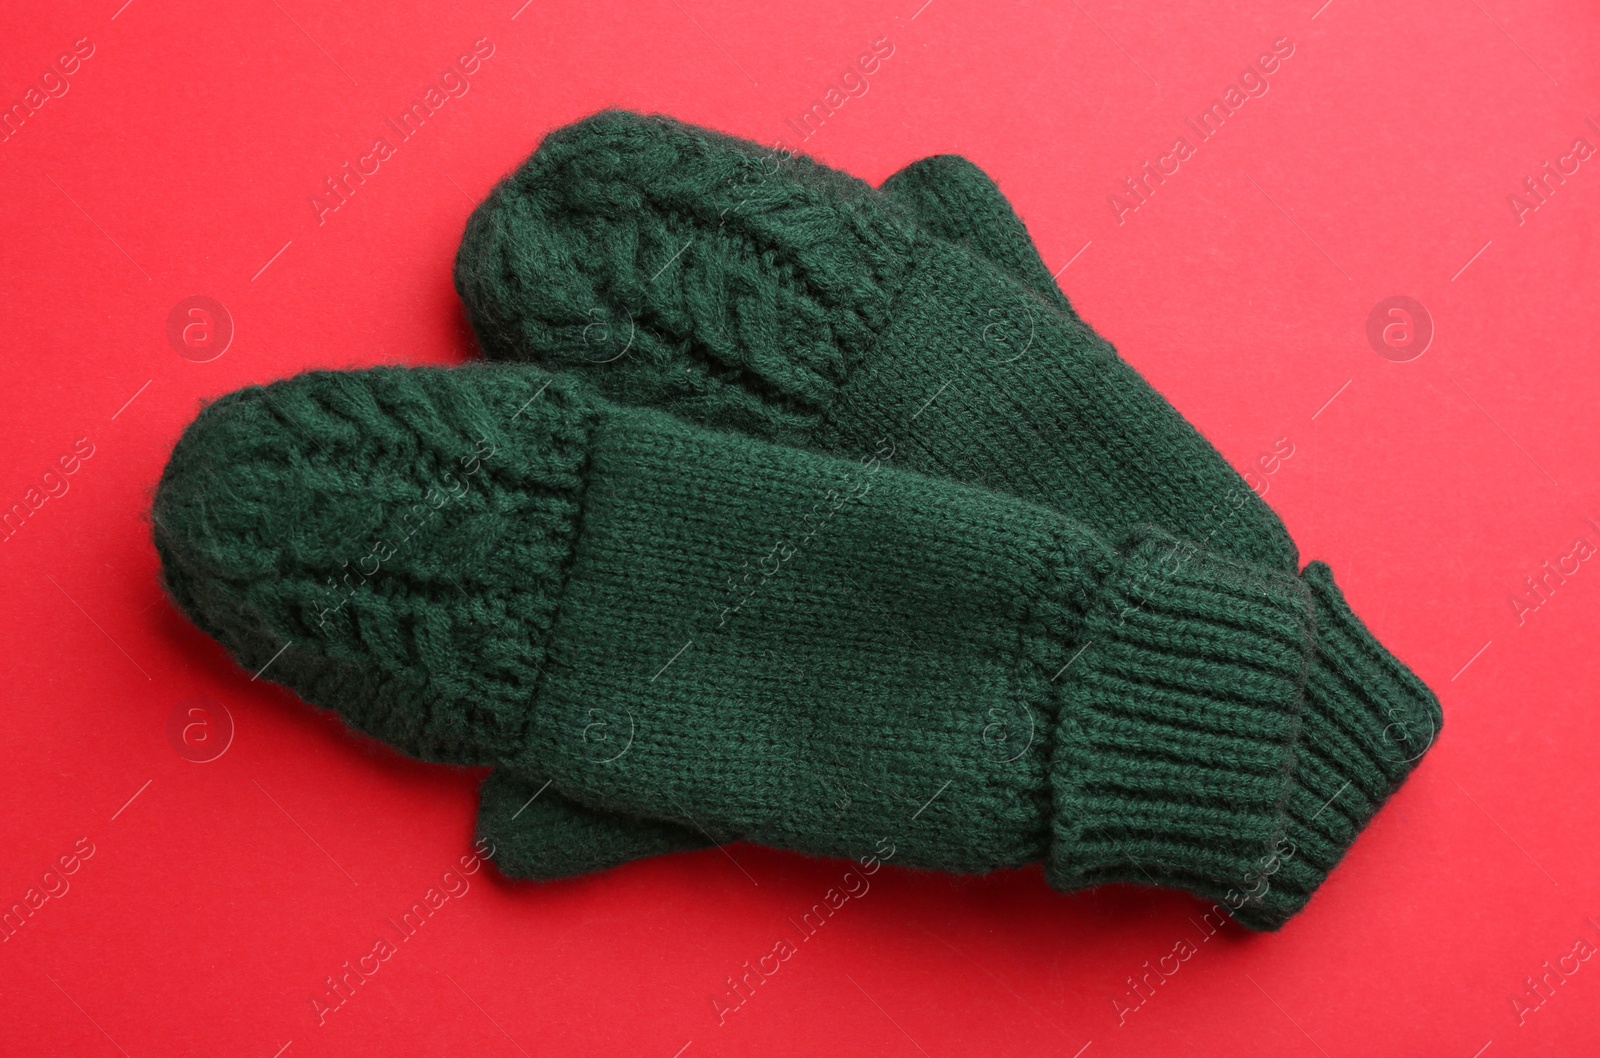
821,522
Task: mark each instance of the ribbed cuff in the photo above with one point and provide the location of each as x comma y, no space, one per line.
1368,721
1177,725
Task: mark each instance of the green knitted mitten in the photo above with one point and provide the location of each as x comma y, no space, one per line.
755,642
696,273
681,269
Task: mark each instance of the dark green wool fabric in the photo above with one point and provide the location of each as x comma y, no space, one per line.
542,835
952,199
695,273
489,565
680,269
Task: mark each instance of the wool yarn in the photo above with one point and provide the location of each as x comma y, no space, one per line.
491,565
952,199
540,834
348,536
677,268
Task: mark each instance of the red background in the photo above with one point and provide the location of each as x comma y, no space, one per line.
181,162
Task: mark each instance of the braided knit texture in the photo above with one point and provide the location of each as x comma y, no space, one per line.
388,543
732,279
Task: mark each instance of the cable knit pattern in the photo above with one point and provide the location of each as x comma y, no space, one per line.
976,375
732,277
351,535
